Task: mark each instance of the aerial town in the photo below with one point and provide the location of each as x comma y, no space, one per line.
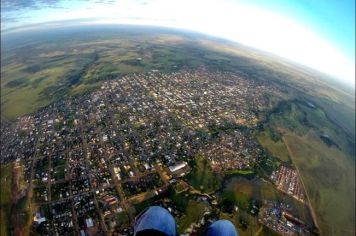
287,180
279,218
88,161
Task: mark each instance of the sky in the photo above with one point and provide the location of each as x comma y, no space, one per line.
317,33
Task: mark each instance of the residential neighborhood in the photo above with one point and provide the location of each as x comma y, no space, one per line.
91,160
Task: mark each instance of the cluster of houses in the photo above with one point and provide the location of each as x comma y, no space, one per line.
87,157
288,181
278,217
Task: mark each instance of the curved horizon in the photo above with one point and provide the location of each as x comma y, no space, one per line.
259,25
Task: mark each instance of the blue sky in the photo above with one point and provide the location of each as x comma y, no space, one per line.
317,33
332,19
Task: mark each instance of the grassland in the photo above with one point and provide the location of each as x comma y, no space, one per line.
275,146
332,171
242,192
240,172
202,177
50,69
240,219
194,212
326,167
5,198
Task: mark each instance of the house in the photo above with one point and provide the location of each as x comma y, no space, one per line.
38,218
89,222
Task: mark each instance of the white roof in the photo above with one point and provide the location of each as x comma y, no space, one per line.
177,166
89,222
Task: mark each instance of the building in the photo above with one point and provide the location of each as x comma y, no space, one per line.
179,169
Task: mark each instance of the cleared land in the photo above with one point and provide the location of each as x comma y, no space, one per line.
202,177
274,145
335,178
323,154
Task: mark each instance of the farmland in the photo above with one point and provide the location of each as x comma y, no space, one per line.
300,130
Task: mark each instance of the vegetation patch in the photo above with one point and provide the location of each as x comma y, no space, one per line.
272,141
323,154
202,177
17,83
194,212
5,198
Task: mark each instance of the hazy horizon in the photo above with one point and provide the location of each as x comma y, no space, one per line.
37,29
318,34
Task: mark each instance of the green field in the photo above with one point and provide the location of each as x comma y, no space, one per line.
326,166
240,172
333,172
194,212
242,192
240,219
5,197
52,69
202,177
275,146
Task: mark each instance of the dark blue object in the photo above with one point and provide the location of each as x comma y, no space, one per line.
156,218
221,228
